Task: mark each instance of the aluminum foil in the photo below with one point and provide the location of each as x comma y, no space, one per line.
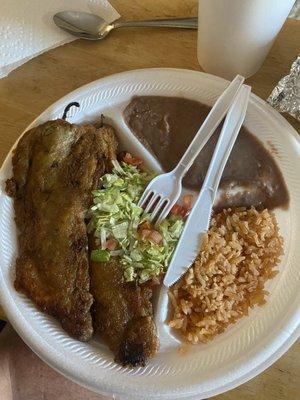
295,13
286,95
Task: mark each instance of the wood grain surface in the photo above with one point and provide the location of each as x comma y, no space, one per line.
28,90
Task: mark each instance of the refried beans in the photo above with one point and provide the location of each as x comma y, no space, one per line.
167,125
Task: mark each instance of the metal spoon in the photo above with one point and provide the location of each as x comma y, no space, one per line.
92,27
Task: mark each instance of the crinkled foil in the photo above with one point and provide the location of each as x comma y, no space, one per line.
286,95
295,13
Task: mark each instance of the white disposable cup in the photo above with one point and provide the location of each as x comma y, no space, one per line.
235,36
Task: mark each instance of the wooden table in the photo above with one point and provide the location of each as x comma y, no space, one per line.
27,91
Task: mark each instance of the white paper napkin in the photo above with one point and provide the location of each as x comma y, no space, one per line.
27,29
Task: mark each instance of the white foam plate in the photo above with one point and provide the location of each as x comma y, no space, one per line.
246,348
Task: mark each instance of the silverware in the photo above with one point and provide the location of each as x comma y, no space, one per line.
92,27
198,221
163,191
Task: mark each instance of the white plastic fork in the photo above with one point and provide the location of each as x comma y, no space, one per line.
198,221
163,191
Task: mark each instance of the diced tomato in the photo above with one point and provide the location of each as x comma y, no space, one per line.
180,210
184,212
176,209
145,225
132,160
187,201
156,237
145,233
145,229
111,244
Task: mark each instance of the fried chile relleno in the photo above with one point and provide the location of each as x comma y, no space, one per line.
55,168
123,314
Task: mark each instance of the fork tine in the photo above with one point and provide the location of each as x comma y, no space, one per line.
164,212
151,202
145,196
163,202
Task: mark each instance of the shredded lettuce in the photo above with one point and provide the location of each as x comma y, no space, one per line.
115,214
100,255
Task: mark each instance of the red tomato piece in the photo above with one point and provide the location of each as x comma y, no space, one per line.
111,244
145,225
176,209
187,201
145,233
183,212
156,237
132,160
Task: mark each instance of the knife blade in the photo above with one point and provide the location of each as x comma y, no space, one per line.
190,241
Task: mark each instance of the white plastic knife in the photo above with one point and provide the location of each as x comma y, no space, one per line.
198,221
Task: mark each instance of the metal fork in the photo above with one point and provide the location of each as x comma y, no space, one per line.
163,191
